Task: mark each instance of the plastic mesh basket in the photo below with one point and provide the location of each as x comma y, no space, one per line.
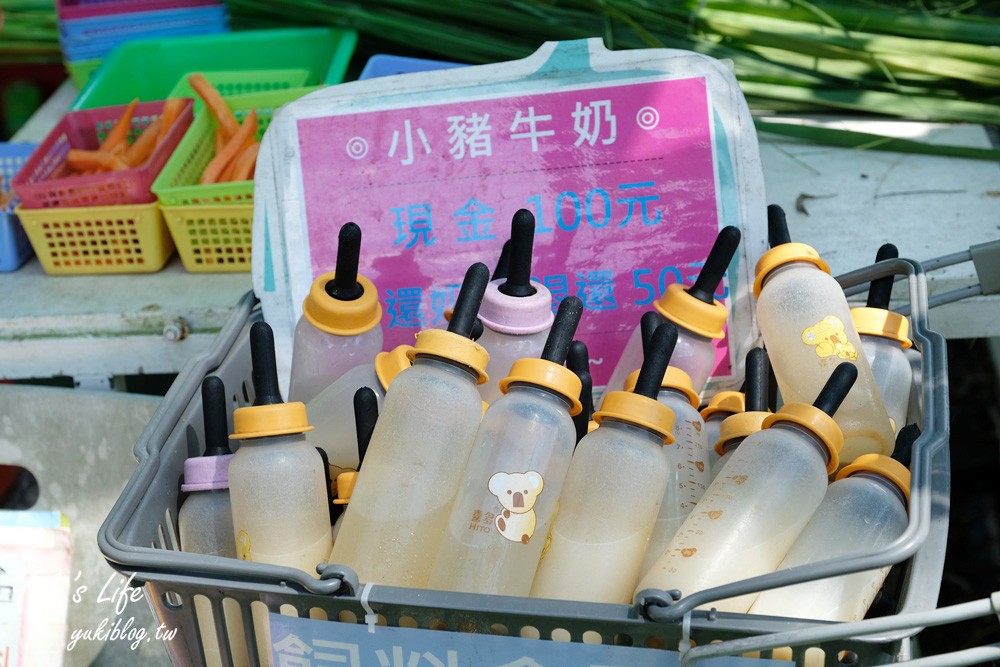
211,239
14,245
98,239
139,536
242,82
43,181
83,9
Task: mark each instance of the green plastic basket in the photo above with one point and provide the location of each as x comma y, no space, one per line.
242,82
150,68
80,70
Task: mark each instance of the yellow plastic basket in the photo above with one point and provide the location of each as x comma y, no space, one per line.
98,239
212,239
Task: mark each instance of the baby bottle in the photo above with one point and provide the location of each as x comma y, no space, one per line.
884,340
863,511
340,324
755,509
612,492
205,520
578,361
698,316
365,415
331,411
807,327
277,480
737,427
722,405
516,312
400,504
515,473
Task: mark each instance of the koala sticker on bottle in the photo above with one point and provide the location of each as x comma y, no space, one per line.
517,493
830,339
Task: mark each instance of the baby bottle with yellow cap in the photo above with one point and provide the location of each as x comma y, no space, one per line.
516,312
863,511
340,327
697,314
755,509
737,427
807,328
884,339
277,480
612,493
400,504
722,405
331,411
508,496
578,361
365,406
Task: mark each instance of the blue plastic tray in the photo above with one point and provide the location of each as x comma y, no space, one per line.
386,65
14,245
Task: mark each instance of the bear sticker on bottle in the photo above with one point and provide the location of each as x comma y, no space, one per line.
517,493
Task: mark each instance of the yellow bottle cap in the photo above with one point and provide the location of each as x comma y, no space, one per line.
389,364
725,401
884,465
640,410
739,425
548,374
486,406
262,421
785,254
345,487
673,378
817,421
448,345
704,319
592,426
342,318
882,322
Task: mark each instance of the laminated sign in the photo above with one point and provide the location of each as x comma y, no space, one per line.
631,162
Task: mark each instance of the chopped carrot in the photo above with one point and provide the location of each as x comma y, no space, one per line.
143,147
100,160
245,164
227,173
119,133
229,152
220,140
171,112
224,117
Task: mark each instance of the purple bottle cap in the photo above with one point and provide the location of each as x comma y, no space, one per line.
517,315
206,473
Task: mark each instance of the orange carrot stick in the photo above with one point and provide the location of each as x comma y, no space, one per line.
230,150
243,166
220,140
213,101
143,147
171,112
99,160
119,133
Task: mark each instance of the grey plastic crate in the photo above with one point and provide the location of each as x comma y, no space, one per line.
139,536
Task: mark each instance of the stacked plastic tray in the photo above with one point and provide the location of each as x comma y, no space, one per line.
14,244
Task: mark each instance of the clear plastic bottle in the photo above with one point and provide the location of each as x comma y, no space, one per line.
612,493
277,480
400,505
754,511
332,410
722,405
884,339
340,324
366,406
738,426
806,325
516,312
689,471
698,316
515,474
205,520
863,511
578,361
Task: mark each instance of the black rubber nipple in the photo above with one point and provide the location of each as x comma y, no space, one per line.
835,390
758,375
213,407
578,361
777,226
522,241
647,325
470,297
345,286
715,265
557,343
503,264
265,372
365,416
903,451
880,290
656,359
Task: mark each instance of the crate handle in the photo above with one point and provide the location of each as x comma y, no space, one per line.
349,583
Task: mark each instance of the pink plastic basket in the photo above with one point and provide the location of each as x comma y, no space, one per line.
70,10
42,182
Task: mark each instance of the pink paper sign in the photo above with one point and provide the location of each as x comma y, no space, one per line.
620,179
